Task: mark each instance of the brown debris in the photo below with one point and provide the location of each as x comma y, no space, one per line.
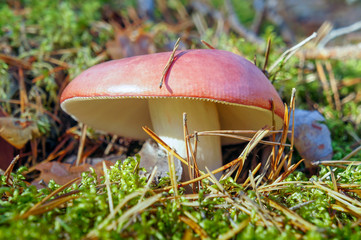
17,131
62,173
337,52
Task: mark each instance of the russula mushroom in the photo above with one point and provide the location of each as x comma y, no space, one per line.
217,89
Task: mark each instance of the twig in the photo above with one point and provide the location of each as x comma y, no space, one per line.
325,86
339,52
13,61
124,201
278,164
353,153
133,210
37,206
207,44
339,32
22,89
107,184
253,173
302,223
232,232
253,184
337,162
292,109
185,136
209,133
290,170
169,63
301,205
172,174
10,168
267,56
290,52
333,84
195,226
110,145
81,144
241,158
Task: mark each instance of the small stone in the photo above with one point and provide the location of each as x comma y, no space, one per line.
152,155
312,138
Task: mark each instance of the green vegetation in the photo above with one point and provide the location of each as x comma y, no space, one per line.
87,213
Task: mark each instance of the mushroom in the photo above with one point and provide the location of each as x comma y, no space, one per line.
217,89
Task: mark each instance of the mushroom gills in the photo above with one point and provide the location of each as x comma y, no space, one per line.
167,120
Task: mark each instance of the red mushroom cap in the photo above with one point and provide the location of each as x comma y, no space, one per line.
112,96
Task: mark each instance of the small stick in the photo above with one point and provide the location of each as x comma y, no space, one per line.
337,162
169,149
173,178
233,232
34,150
208,45
301,205
333,84
239,137
289,53
283,141
194,154
334,182
185,135
110,145
107,184
22,89
351,154
267,56
253,173
37,205
237,132
194,226
81,144
289,171
10,168
253,184
255,140
293,107
224,167
340,31
169,63
273,160
351,51
163,144
323,79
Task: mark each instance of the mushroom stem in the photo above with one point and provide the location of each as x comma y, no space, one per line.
166,116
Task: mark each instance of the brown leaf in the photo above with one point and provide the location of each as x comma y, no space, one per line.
13,61
6,151
62,173
6,154
17,131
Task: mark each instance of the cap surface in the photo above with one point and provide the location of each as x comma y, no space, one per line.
112,96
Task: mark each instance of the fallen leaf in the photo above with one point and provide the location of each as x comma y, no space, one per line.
6,154
17,131
62,173
6,151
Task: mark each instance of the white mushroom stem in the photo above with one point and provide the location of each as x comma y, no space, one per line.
166,115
